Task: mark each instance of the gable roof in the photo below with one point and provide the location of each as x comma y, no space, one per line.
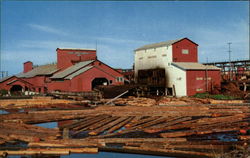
6,78
77,49
40,70
19,79
78,72
72,69
193,66
161,44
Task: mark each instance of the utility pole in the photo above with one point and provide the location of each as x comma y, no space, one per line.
230,64
96,48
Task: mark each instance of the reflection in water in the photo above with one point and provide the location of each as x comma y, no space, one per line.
48,125
3,112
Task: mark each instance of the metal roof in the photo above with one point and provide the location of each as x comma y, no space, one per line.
40,70
82,70
71,69
160,44
194,66
5,78
76,49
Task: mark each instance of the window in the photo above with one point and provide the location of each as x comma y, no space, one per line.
185,51
164,55
154,56
119,79
199,89
199,78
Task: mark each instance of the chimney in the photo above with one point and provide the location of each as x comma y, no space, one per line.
27,66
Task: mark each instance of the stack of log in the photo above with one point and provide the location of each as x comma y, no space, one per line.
34,101
133,101
163,101
191,130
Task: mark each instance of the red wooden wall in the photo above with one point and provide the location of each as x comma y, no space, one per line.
185,43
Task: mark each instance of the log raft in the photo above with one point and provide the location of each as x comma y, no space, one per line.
190,130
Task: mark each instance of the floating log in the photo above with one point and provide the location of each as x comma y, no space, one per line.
246,137
90,122
120,125
157,151
36,152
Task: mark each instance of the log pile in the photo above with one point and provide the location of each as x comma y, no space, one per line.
191,130
34,101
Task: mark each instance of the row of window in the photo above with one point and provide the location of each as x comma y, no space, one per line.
155,49
154,56
201,78
184,51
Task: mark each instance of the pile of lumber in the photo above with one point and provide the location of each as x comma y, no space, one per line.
190,130
133,101
34,101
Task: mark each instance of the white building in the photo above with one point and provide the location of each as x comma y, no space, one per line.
184,75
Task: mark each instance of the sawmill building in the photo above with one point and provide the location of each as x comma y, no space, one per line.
76,70
173,65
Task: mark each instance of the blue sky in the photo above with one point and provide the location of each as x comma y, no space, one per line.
33,30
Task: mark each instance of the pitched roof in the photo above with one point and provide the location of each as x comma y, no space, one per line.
78,72
72,69
76,49
6,78
40,70
161,44
194,66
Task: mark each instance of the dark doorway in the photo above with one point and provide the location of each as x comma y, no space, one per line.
16,89
99,81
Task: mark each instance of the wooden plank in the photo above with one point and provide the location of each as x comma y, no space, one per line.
89,123
197,132
125,140
169,152
102,123
168,125
37,152
143,121
64,143
105,127
120,125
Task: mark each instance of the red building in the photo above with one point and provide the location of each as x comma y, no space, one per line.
178,59
77,70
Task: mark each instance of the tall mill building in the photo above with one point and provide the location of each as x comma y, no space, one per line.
173,65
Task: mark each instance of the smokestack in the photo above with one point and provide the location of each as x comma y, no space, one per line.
27,66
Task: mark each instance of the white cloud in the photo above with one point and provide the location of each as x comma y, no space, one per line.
53,44
48,29
121,41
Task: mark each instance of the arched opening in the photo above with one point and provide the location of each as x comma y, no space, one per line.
26,89
16,89
99,81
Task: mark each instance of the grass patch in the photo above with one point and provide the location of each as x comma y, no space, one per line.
215,96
